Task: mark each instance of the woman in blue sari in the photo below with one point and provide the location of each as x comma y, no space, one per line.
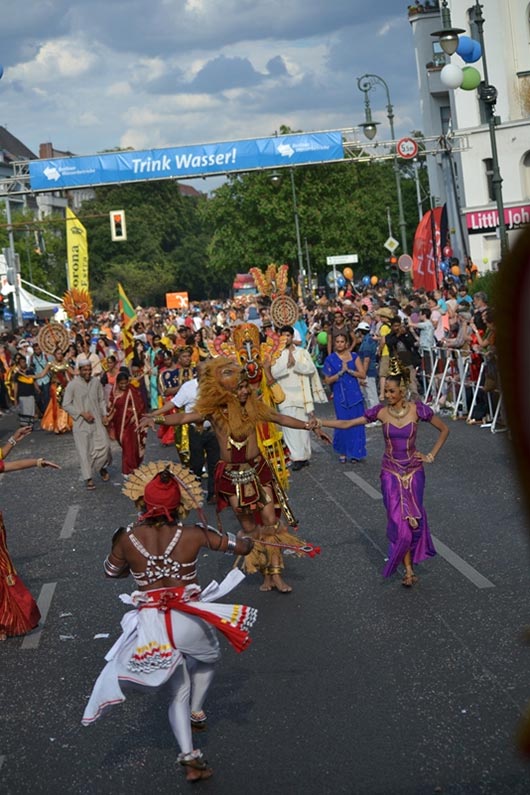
343,371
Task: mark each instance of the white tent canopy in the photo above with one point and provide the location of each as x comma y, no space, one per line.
31,305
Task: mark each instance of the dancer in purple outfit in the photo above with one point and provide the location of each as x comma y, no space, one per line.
402,474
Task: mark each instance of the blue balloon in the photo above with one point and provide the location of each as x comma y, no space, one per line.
341,281
465,47
476,53
366,280
444,266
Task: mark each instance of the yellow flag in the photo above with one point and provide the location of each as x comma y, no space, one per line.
77,250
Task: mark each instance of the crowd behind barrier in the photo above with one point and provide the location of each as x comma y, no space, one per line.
445,339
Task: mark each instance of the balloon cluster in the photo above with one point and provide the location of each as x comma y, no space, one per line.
468,77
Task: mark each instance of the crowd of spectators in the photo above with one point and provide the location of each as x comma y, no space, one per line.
417,327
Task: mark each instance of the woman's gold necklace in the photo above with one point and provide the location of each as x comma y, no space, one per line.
399,413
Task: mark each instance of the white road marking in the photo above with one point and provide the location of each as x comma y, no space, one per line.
44,601
460,565
69,522
443,550
364,485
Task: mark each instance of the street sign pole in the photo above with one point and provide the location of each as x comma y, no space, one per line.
13,263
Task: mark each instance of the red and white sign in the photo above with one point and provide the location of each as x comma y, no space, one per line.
488,220
407,148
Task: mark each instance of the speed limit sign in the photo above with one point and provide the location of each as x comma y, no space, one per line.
407,148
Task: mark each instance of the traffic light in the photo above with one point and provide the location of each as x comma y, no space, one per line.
393,263
118,230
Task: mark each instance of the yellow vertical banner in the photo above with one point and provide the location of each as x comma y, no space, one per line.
77,251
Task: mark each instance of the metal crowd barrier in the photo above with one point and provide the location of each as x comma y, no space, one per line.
447,374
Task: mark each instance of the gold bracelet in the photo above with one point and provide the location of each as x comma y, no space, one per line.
160,420
40,462
429,458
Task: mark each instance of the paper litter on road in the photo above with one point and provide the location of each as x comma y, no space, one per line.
66,637
63,615
101,635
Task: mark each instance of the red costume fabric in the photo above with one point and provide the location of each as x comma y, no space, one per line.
18,610
125,411
246,481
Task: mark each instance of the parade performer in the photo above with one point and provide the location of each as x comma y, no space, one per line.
402,474
168,638
18,610
56,419
243,479
256,358
126,408
170,382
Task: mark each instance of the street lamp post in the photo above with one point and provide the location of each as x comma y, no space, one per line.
448,38
276,180
365,84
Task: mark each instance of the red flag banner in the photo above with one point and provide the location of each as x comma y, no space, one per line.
427,250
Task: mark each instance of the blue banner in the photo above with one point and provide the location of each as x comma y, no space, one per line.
185,161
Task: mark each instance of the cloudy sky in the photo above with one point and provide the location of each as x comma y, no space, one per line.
89,75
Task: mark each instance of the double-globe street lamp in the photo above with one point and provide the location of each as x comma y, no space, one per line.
365,84
449,38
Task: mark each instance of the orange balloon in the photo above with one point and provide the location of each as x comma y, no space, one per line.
374,280
455,270
348,274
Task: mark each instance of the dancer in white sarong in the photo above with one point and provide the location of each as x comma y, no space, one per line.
168,639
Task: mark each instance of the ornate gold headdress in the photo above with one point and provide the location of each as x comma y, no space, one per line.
396,368
248,349
77,303
191,489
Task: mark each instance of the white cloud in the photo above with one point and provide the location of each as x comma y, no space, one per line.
142,73
55,59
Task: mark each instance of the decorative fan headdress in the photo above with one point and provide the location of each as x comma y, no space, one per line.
77,304
273,283
190,486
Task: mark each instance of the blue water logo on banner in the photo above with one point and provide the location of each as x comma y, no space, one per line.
185,161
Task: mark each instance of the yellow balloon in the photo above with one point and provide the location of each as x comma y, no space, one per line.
348,274
374,280
485,260
455,270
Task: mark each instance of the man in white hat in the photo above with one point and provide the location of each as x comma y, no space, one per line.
84,400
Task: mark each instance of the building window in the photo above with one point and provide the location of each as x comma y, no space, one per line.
526,174
488,170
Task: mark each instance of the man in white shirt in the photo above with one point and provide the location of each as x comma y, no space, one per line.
203,443
297,375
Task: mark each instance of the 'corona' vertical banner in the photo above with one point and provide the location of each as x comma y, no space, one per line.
77,251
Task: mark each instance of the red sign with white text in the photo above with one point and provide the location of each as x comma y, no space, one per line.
488,220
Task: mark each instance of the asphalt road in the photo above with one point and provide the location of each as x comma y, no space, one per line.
352,684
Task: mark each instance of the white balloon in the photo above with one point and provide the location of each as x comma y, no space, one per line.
452,76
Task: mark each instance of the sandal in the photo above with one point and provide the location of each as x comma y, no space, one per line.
90,485
199,721
197,766
342,459
104,475
409,580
